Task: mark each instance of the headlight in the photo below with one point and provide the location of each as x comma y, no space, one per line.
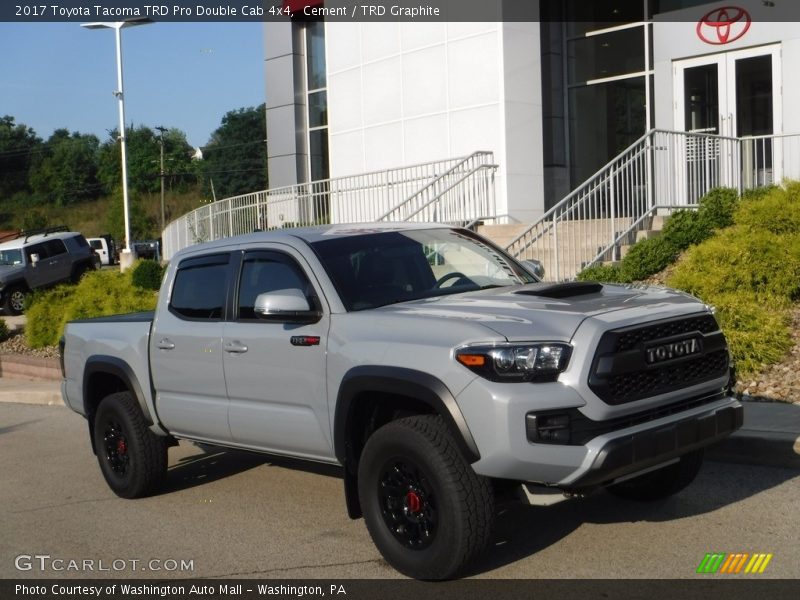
542,361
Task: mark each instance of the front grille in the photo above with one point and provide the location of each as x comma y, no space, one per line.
621,372
631,339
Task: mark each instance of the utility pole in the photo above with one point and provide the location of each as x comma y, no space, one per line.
163,174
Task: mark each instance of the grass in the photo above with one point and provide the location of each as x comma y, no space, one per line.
89,218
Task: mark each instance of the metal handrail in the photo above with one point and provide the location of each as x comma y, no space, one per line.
389,215
356,198
661,170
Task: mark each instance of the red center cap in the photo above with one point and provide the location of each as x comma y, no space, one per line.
413,502
121,447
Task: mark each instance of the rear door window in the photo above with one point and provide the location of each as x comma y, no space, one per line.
200,288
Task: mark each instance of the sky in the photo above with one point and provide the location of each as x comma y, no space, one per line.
183,75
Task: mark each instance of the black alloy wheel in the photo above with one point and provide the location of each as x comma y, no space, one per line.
408,503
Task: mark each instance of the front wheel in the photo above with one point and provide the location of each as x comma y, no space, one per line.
427,511
661,483
15,300
132,458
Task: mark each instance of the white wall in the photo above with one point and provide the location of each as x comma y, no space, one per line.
406,93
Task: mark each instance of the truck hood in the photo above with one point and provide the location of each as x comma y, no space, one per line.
549,311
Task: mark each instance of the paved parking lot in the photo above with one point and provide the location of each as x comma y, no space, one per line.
234,514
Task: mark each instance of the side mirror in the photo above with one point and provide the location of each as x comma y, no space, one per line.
534,267
34,259
285,306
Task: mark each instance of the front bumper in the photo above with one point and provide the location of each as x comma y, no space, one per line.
497,416
638,451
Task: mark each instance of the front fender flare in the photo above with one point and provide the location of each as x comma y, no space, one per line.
419,385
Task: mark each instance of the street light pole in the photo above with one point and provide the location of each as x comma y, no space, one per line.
126,257
161,141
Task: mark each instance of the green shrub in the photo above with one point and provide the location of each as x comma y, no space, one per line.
648,257
147,274
99,293
717,207
777,211
604,273
4,331
756,328
44,314
758,262
686,228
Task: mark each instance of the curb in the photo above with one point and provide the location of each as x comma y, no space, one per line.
19,391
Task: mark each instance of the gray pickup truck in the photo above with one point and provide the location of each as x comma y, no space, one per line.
435,369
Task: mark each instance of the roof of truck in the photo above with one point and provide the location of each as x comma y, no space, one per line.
316,234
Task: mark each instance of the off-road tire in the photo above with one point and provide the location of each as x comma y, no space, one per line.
132,458
662,483
14,303
455,505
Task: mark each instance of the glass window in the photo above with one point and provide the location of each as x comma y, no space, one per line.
40,249
604,120
262,273
200,288
318,141
582,16
398,266
754,96
11,257
701,98
318,109
55,247
606,55
315,54
97,244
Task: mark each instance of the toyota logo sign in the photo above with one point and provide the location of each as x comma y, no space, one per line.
723,25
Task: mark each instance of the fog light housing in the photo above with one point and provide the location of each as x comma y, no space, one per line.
548,428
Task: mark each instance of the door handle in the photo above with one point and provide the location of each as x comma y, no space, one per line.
235,347
165,344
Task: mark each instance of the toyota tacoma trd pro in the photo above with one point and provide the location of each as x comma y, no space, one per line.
435,369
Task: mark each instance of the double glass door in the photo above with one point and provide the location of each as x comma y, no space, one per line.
732,95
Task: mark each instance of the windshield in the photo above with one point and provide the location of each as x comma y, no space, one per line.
11,257
395,266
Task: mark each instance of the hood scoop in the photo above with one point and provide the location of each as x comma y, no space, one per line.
561,290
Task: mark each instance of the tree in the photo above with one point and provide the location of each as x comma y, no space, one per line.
142,227
235,158
18,145
67,170
144,159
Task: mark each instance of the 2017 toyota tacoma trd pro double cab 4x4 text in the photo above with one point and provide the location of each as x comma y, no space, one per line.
422,359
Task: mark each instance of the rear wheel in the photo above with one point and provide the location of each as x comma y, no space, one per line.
15,300
132,458
661,483
428,512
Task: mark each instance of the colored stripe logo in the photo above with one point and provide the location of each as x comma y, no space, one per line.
734,564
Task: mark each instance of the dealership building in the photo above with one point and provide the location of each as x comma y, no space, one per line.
561,135
552,100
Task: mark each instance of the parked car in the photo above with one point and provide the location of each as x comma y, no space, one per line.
147,249
105,247
428,363
39,259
